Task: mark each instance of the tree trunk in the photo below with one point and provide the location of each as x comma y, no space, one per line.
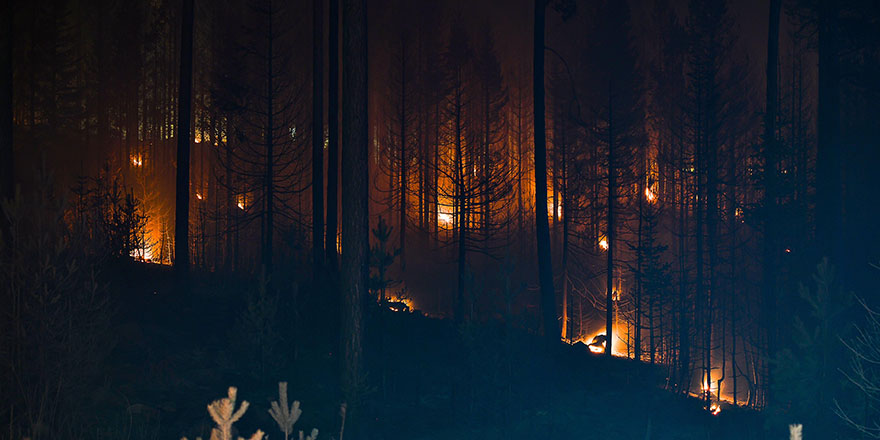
6,126
355,184
542,228
184,114
317,135
609,234
333,136
268,177
771,158
403,155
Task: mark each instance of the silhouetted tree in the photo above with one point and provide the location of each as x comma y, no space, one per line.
6,151
355,189
184,115
333,135
317,134
542,227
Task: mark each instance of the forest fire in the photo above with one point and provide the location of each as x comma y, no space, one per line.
692,182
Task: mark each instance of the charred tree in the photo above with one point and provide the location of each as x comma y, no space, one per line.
355,187
6,152
333,136
184,119
542,227
771,185
317,135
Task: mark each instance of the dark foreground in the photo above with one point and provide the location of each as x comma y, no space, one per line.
427,378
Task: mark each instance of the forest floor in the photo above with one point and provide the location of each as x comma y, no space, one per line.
427,378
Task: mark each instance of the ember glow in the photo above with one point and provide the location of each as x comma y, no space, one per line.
444,216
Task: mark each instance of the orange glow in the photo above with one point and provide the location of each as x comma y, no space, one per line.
150,250
650,194
444,215
557,215
137,160
144,254
241,202
397,302
596,343
199,196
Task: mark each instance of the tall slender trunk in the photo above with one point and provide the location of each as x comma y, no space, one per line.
771,158
609,235
684,351
734,227
637,338
317,135
355,187
403,156
542,228
566,301
6,126
184,114
268,173
460,214
333,136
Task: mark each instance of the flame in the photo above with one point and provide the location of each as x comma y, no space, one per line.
444,216
554,212
603,243
714,409
596,343
199,196
650,194
399,303
144,254
241,202
137,160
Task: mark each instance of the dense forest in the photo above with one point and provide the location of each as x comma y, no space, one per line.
490,218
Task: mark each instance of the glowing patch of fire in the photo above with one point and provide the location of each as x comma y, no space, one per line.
444,217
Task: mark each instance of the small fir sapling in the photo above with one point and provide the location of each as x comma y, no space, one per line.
794,431
224,414
284,416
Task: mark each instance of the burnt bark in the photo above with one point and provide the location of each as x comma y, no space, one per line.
355,184
542,227
333,136
184,119
317,135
